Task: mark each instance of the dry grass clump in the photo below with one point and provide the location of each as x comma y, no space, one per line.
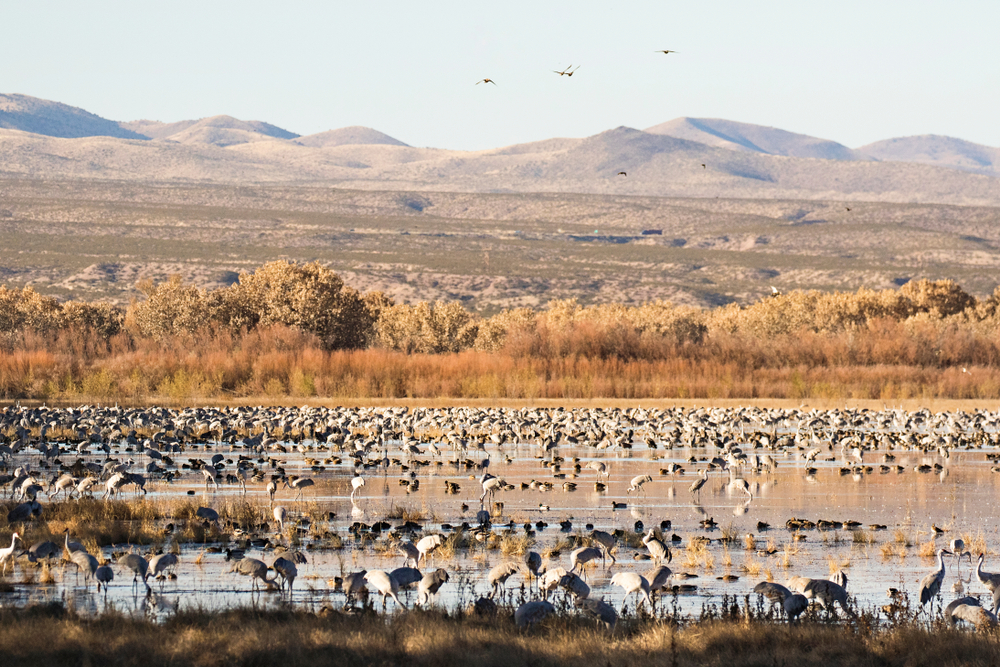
49,635
928,549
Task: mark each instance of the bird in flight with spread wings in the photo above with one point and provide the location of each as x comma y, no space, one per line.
665,51
486,81
568,71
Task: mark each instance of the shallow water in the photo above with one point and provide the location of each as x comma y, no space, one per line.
960,499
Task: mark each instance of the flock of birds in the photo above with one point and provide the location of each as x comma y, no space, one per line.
88,450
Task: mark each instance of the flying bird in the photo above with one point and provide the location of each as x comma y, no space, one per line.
486,81
622,173
665,51
567,72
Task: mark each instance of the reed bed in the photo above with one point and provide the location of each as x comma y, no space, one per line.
50,635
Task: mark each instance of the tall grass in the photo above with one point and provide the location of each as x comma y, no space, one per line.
45,636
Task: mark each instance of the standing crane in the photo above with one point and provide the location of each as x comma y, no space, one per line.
931,584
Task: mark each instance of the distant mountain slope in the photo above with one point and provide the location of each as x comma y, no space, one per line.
216,131
939,151
54,119
347,136
654,165
754,138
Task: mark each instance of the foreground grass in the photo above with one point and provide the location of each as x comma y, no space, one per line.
46,636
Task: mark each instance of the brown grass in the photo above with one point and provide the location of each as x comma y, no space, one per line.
45,636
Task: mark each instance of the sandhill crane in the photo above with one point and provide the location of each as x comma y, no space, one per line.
271,488
356,483
969,610
255,569
603,469
406,577
658,551
385,585
490,485
533,562
792,603
85,563
700,482
740,484
158,565
138,565
299,484
7,554
104,575
600,610
532,613
209,475
931,584
824,590
428,544
429,585
572,583
607,542
499,575
280,514
410,553
582,556
990,580
637,483
354,585
958,547
70,548
632,583
658,578
286,569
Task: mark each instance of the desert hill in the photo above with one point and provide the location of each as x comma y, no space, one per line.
54,119
346,136
754,138
939,151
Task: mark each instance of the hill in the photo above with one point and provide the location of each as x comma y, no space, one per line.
939,151
346,136
215,131
754,138
54,119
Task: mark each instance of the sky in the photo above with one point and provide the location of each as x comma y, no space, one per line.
854,71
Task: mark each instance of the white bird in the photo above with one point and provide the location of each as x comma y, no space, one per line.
632,583
7,555
385,585
356,483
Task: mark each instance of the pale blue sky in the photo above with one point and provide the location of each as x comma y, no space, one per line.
854,71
